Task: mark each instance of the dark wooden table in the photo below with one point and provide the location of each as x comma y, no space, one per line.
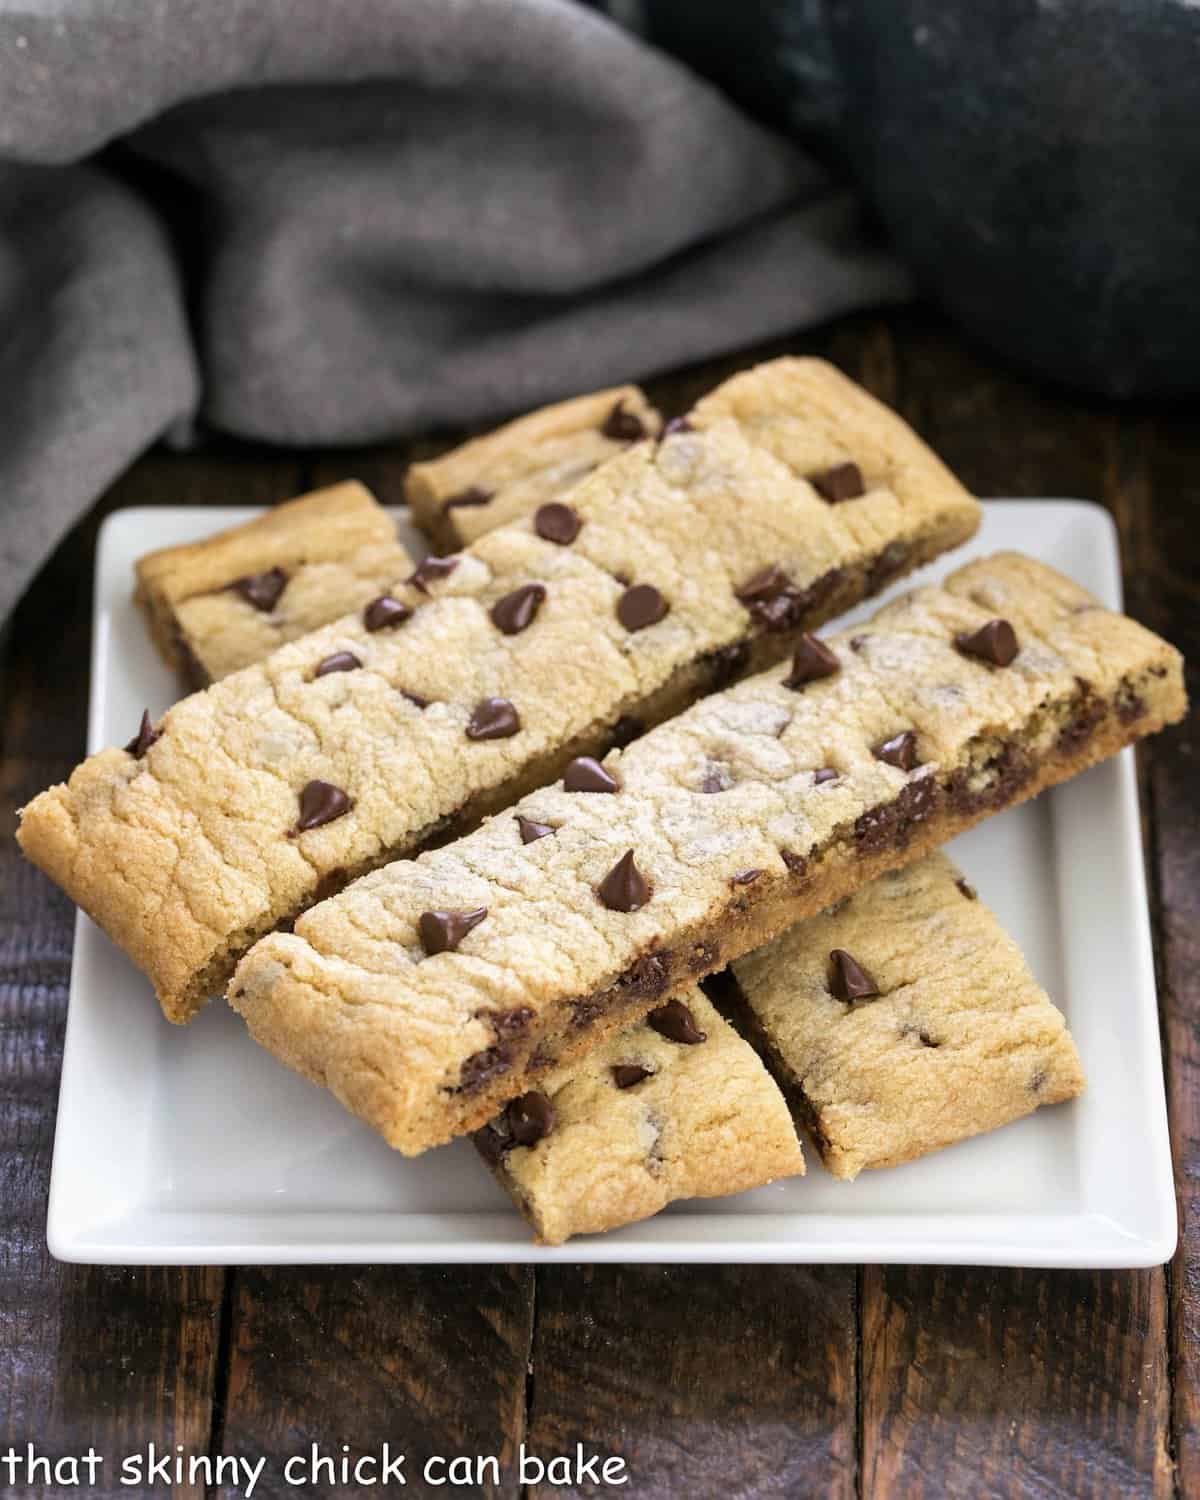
709,1381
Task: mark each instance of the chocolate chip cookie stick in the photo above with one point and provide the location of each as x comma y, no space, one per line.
538,458
599,898
903,1020
675,1106
216,605
677,567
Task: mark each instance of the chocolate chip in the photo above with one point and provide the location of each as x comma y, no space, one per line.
515,611
481,1067
776,603
967,889
812,661
826,773
625,1075
623,426
640,606
900,751
469,498
340,661
508,1024
745,877
842,482
442,931
531,831
587,775
995,642
146,736
493,719
890,824
320,803
530,1118
384,612
647,978
796,863
764,585
676,1022
674,426
429,570
624,888
557,523
625,731
492,1145
714,781
848,980
262,590
725,665
889,562
414,698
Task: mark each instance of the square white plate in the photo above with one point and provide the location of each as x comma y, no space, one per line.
182,1146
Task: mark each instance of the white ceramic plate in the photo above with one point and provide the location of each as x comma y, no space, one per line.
194,1145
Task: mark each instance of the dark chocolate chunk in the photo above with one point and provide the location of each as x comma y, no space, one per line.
674,426
146,736
469,498
967,889
429,570
995,642
530,1118
531,831
622,426
557,523
340,661
826,773
587,775
775,602
640,606
320,803
625,1075
842,482
900,751
515,611
812,661
262,590
766,584
493,719
384,612
676,1022
442,931
624,888
848,980
492,1145
745,877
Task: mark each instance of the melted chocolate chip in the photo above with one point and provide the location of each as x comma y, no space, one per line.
967,889
320,803
625,731
890,824
469,498
812,661
262,590
508,1024
889,562
340,661
842,482
640,606
492,1145
493,719
703,957
557,523
481,1067
385,612
726,665
531,831
745,877
848,980
414,698
515,612
625,1075
587,775
429,570
624,888
995,643
623,426
648,977
442,931
530,1118
676,1022
796,863
146,736
826,773
1130,704
900,751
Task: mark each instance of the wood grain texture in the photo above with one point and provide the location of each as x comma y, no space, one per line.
431,1359
708,1380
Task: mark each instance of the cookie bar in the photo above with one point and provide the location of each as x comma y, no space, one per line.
427,994
505,474
675,1106
217,605
905,1019
677,567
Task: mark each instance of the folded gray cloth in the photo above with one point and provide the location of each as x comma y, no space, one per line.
314,223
